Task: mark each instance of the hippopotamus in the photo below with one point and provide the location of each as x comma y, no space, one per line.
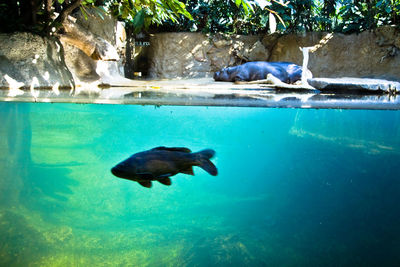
287,72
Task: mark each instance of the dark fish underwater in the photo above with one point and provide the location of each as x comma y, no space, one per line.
160,163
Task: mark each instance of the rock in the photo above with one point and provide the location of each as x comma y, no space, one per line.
25,56
98,23
199,53
105,50
89,45
359,55
355,55
82,67
397,42
246,48
222,43
385,35
221,40
94,46
257,52
269,40
194,55
178,55
239,50
220,58
354,84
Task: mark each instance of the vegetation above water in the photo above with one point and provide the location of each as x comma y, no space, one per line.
346,16
210,16
42,16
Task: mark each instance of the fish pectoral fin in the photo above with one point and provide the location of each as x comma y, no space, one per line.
165,181
188,171
147,184
180,149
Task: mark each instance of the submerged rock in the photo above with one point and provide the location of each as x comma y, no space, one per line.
354,84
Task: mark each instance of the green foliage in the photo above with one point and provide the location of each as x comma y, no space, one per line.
341,16
35,16
229,16
141,14
246,17
357,16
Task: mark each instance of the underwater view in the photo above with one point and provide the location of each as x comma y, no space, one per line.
295,187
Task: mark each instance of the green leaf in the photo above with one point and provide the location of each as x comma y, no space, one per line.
245,8
238,2
83,12
60,1
147,21
124,11
178,8
138,20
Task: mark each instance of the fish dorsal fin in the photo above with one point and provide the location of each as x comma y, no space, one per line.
165,181
147,184
188,171
180,149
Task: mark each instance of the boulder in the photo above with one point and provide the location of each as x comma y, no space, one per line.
257,52
31,59
82,67
99,24
90,48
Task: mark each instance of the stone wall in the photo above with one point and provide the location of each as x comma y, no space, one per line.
367,54
25,56
190,55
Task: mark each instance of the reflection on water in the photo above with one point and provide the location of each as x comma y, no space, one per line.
216,95
295,187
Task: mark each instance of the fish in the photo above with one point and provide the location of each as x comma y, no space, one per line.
161,163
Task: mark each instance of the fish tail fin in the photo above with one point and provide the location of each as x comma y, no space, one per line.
203,159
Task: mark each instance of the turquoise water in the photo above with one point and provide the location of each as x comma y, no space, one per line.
295,187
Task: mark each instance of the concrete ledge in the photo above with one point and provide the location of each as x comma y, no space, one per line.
354,84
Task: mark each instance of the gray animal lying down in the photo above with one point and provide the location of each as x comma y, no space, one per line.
287,72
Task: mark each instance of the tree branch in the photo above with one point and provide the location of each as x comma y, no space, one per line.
65,12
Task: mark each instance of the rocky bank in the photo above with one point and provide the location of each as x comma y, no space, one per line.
94,51
87,54
373,54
